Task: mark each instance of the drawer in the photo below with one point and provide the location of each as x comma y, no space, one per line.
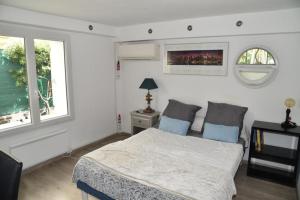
140,122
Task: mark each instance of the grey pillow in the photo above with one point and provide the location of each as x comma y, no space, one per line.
225,114
182,111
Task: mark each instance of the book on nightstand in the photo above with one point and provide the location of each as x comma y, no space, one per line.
259,140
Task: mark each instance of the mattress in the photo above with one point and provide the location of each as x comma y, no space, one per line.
159,165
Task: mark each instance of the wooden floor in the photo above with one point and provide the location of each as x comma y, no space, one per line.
53,180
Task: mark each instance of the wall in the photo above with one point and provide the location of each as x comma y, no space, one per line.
264,104
93,99
269,22
26,17
277,30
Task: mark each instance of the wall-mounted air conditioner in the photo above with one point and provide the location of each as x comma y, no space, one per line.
145,51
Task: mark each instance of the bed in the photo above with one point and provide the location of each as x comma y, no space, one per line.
155,164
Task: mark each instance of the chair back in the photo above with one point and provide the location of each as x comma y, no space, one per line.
10,174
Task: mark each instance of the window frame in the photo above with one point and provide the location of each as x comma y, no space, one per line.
29,34
271,69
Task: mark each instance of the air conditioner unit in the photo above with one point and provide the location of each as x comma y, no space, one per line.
145,51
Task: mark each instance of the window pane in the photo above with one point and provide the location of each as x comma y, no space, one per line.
51,77
14,99
256,56
253,76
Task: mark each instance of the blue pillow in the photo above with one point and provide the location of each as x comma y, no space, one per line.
176,126
221,132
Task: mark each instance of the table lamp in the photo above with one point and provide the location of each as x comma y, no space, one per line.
148,84
289,103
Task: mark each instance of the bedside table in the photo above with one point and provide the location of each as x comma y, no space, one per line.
275,154
141,121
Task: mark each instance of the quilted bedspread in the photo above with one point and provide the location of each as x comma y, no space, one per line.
159,165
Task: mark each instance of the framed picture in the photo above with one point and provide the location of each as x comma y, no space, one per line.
201,59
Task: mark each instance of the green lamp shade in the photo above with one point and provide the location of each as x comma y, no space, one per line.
148,84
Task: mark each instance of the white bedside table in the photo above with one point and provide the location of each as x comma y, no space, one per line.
141,121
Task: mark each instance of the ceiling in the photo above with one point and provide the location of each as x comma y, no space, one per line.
128,12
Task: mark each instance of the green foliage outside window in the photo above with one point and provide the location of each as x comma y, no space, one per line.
256,56
16,55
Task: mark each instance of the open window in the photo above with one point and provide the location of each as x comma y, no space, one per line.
256,67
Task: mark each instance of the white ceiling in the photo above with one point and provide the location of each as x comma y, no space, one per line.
128,12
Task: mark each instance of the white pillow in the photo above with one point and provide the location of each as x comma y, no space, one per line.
198,123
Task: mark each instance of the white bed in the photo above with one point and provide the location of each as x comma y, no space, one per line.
159,165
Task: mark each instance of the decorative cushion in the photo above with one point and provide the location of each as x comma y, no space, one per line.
221,132
176,126
225,114
181,111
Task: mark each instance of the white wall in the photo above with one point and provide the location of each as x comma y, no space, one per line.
277,30
269,22
93,87
264,104
92,58
26,17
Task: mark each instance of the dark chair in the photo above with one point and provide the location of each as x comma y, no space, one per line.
10,174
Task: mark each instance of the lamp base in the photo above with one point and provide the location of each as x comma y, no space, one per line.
148,110
148,99
289,124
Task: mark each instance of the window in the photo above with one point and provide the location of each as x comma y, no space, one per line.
34,88
256,67
14,101
50,69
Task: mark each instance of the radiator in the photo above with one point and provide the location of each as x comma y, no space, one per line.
39,149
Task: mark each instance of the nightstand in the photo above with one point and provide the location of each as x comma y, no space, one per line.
272,153
141,121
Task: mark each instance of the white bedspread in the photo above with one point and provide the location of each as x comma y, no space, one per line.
186,167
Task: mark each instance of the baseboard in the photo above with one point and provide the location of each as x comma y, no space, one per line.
44,163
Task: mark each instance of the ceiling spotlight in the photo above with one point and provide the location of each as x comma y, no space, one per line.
189,27
239,23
